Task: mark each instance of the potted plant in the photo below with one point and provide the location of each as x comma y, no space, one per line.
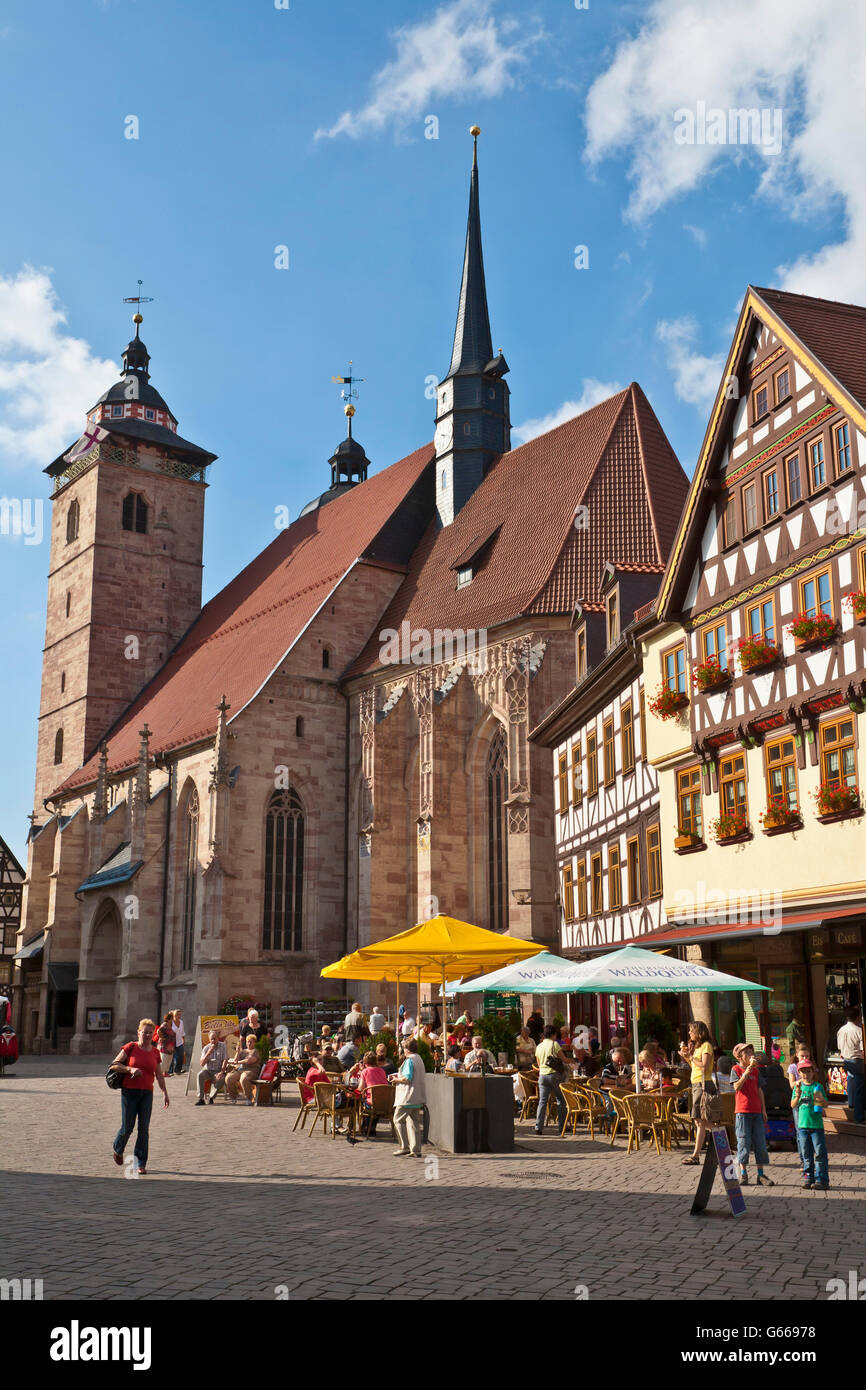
709,675
779,815
755,652
729,826
834,799
686,839
813,632
856,601
667,703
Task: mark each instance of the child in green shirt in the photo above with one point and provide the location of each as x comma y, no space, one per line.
809,1101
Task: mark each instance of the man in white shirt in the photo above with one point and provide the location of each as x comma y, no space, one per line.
479,1057
410,1098
849,1040
377,1020
408,1027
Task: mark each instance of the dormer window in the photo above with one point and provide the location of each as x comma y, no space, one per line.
134,517
613,617
760,403
464,576
148,415
116,411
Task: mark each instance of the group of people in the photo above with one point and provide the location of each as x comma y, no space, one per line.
169,1038
359,1078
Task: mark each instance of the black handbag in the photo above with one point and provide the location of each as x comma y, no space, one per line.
114,1079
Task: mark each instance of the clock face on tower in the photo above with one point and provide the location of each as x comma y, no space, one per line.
444,434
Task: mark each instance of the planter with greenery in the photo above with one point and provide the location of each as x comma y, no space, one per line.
709,675
856,601
686,839
651,1025
733,825
667,703
813,632
499,1032
779,816
833,800
756,652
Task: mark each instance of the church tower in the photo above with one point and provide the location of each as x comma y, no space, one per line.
125,566
472,416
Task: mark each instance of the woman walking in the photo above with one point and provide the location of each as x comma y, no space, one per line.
165,1042
698,1051
140,1063
176,1066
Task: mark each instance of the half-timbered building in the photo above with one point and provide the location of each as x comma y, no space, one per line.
757,675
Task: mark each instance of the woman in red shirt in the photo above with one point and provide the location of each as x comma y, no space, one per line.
140,1063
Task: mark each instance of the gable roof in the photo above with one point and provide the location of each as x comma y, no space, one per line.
828,339
246,630
614,459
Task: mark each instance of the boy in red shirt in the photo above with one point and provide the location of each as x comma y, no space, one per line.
750,1116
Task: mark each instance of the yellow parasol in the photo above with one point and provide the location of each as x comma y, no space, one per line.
352,967
442,944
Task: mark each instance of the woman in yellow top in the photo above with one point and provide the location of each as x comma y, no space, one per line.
698,1052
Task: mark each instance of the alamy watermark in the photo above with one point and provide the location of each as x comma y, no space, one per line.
713,125
22,516
421,646
760,907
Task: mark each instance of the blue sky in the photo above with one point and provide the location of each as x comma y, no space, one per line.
305,127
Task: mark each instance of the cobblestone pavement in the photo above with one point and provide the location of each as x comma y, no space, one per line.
232,1193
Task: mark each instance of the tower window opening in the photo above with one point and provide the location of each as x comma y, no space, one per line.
326,658
72,519
134,516
299,727
62,681
58,747
68,602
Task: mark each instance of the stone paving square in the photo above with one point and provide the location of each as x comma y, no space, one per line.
321,1219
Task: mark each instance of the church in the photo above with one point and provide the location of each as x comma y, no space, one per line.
229,797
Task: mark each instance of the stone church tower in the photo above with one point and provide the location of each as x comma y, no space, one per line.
124,580
231,797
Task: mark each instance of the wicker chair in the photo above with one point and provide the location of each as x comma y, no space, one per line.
381,1108
622,1116
529,1089
575,1109
642,1114
325,1093
595,1109
729,1102
308,1107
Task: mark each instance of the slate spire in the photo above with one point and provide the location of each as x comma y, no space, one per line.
473,345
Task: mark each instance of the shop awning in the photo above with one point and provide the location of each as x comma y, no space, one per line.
691,933
33,947
63,976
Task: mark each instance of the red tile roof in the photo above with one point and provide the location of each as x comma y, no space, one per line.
614,459
245,631
834,333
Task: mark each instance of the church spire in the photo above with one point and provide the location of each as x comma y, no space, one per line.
472,411
473,346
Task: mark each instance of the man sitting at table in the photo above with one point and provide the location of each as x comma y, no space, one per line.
618,1071
583,1065
479,1059
329,1062
525,1049
455,1059
314,1076
348,1055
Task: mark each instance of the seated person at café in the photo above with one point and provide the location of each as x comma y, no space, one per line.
348,1055
618,1071
525,1050
242,1072
657,1051
252,1024
370,1074
478,1057
582,1063
314,1077
723,1072
667,1080
213,1067
329,1062
649,1071
384,1061
455,1059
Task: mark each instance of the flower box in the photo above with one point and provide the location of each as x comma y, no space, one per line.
686,840
856,601
709,675
755,653
667,703
779,817
834,800
731,827
813,632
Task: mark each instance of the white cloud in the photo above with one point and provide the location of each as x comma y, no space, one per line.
592,394
48,380
699,234
696,378
463,52
802,57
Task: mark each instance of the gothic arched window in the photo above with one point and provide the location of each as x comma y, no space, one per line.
190,878
497,832
134,515
58,747
284,873
72,519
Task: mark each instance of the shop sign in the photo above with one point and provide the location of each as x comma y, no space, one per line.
847,936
